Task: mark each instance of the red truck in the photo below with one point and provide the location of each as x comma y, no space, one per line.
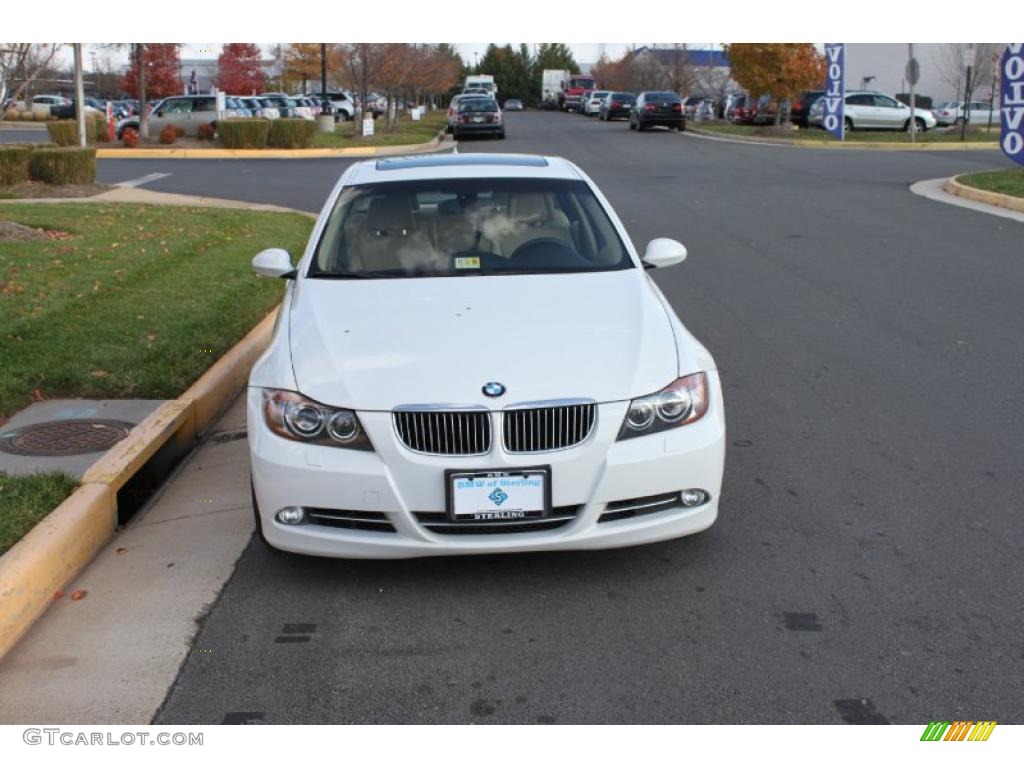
572,91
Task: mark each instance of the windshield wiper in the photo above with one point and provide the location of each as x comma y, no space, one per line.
358,275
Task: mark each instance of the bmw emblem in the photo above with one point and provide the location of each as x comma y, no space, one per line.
494,389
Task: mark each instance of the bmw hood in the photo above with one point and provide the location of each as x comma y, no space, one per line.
377,344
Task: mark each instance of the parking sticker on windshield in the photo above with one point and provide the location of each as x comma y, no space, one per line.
467,262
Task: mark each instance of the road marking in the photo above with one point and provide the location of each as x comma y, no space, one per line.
142,180
724,140
934,189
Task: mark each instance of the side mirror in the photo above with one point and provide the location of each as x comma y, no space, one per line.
273,262
663,252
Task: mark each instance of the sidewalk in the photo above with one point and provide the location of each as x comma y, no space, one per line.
111,656
149,197
935,189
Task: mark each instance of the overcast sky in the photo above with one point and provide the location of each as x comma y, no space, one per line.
583,52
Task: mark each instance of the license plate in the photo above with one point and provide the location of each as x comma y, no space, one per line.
478,119
481,495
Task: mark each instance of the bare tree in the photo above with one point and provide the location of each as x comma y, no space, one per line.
951,61
23,62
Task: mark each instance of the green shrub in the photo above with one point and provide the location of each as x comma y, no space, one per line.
63,165
63,133
243,133
13,164
292,133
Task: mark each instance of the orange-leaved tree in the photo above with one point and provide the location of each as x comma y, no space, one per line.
779,69
239,70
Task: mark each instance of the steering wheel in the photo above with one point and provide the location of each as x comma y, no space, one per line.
550,248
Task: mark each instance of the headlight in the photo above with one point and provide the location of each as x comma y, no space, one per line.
295,417
682,402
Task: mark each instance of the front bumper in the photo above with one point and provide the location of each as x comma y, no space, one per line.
399,484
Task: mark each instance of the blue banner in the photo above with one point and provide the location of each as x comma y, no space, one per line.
1011,102
835,89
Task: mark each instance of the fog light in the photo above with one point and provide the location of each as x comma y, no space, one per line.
291,515
693,497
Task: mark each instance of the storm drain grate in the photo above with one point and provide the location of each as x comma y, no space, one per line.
69,437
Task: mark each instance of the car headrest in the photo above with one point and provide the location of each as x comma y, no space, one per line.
528,206
390,215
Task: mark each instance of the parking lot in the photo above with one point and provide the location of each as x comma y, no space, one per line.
864,567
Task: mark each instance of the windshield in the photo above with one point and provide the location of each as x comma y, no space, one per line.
581,82
466,227
478,105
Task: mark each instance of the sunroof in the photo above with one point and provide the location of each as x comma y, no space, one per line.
444,161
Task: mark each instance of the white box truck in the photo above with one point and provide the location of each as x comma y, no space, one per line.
551,84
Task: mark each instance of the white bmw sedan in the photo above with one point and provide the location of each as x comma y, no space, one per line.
471,358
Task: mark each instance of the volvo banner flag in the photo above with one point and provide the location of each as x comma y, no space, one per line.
1011,102
835,89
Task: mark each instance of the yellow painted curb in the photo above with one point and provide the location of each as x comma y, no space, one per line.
50,555
261,154
882,145
954,187
228,375
60,546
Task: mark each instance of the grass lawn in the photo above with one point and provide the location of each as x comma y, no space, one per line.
406,132
25,500
1007,182
123,301
941,135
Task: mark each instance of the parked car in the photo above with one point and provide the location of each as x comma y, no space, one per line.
873,110
801,107
513,105
185,111
582,103
234,108
363,445
69,111
264,108
47,100
478,116
653,108
691,106
341,102
616,104
453,107
766,110
287,106
592,104
954,113
742,111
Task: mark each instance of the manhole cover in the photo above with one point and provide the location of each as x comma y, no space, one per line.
64,438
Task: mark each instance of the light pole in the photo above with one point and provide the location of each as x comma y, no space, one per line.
967,92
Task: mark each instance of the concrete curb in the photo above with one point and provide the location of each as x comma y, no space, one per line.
269,154
954,187
933,146
65,541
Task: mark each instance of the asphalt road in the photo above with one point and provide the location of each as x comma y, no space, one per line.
866,563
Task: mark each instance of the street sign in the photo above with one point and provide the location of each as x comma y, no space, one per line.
1011,106
834,100
913,72
368,126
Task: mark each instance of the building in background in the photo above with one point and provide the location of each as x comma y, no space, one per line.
882,66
